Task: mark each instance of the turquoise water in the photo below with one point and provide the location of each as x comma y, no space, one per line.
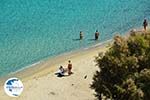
31,30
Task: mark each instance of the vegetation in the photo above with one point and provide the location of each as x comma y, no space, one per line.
124,69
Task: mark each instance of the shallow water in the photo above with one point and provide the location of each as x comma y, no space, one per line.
31,30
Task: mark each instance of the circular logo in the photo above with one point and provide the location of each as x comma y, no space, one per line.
13,87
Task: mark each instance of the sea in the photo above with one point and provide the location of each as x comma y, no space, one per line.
34,30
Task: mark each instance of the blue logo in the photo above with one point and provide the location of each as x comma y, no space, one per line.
13,87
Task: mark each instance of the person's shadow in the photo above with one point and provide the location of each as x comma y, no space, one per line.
65,75
91,40
76,39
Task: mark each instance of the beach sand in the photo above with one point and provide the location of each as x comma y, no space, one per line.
40,83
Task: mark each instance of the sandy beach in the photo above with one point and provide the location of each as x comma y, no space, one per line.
40,83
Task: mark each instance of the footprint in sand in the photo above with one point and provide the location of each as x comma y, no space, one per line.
85,76
51,93
72,84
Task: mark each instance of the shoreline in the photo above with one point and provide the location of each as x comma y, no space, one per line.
41,77
69,54
38,66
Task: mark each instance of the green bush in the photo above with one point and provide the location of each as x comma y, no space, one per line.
124,69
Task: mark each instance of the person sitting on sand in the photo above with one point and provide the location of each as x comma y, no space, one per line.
96,35
69,67
145,24
81,35
60,72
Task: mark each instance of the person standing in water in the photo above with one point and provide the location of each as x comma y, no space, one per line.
81,35
96,35
69,67
145,24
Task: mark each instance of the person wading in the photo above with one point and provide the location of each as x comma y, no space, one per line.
145,24
96,35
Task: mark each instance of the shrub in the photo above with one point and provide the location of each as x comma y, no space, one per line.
124,69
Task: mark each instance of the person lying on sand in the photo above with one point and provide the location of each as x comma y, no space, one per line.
60,72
